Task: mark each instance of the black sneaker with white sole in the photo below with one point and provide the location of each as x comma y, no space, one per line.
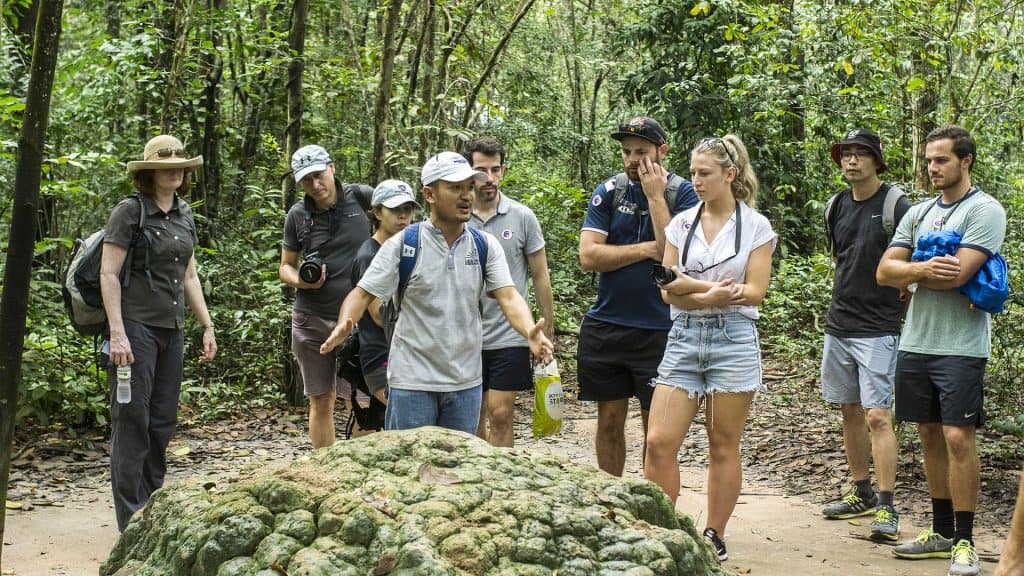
711,535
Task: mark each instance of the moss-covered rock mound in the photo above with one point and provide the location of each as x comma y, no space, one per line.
422,502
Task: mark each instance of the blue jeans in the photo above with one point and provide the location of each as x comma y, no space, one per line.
409,409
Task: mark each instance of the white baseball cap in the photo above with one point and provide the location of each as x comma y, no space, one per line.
450,167
311,158
392,194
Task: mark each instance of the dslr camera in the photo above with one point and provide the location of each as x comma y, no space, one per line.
310,268
662,275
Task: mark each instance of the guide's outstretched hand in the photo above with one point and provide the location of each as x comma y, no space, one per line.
338,335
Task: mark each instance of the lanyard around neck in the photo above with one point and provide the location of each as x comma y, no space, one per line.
693,229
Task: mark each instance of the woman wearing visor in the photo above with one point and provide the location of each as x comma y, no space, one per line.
719,254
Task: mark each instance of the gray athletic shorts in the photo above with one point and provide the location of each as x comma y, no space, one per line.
319,371
859,370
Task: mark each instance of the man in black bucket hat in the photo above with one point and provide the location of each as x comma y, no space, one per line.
858,366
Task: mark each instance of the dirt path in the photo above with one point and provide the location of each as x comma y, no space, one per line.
66,524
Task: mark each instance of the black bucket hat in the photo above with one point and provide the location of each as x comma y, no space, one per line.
642,127
860,137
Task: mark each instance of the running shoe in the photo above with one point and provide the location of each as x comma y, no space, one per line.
928,544
850,506
712,536
965,560
886,525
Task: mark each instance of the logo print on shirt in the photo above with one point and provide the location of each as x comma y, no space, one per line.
686,225
938,224
472,258
628,208
506,234
596,200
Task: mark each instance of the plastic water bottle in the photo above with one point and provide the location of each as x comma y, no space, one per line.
124,384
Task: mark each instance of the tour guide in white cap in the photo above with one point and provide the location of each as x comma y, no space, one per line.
434,371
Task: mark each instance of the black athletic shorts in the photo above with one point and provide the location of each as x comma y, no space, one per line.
615,362
507,369
946,389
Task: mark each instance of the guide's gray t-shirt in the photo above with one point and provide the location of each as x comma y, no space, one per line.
516,228
437,339
942,322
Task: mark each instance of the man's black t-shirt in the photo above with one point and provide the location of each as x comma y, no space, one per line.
373,348
861,308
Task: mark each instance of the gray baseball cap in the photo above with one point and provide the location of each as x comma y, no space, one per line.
311,158
392,194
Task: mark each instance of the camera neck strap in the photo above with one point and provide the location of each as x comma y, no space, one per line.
693,229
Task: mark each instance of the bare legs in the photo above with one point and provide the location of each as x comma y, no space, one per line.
726,417
321,419
610,440
870,429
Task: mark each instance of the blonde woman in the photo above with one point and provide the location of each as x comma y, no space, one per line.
720,255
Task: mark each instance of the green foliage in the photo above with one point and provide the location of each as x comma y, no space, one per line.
560,208
792,322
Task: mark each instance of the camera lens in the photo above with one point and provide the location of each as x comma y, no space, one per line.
309,271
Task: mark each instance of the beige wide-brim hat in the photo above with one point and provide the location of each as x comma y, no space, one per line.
164,153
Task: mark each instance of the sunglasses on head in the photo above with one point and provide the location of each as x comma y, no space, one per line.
712,143
169,152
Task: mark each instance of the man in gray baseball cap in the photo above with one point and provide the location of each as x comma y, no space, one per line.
326,227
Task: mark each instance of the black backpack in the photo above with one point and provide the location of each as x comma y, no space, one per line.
80,287
349,368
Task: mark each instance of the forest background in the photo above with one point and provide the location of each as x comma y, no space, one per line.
383,84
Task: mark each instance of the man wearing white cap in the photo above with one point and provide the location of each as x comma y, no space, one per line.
434,368
327,226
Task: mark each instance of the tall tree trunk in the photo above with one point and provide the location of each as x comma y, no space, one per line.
214,67
292,378
470,109
427,140
293,132
18,269
180,26
381,109
113,16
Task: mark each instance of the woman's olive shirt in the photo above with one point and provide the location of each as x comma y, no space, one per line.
171,236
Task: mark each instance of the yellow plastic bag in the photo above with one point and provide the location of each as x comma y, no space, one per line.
547,400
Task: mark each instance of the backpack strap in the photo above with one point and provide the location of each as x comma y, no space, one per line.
140,234
407,261
675,182
830,207
892,197
360,194
481,250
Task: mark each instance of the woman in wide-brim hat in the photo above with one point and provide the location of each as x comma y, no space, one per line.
145,316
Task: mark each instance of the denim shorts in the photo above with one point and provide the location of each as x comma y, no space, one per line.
409,409
859,370
712,353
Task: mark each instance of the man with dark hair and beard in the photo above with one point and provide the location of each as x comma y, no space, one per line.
945,344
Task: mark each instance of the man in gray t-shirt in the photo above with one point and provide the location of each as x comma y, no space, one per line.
434,369
944,344
506,357
327,227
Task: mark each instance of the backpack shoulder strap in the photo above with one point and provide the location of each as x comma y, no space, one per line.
892,197
621,185
363,194
138,236
481,249
830,207
407,260
675,182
